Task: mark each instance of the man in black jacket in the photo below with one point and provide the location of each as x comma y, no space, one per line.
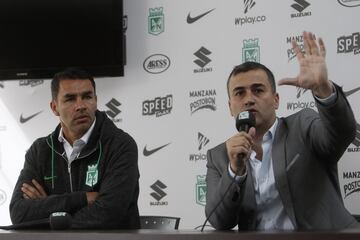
87,167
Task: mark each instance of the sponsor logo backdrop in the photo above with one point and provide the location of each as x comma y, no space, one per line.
173,98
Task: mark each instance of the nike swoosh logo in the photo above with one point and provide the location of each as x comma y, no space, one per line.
348,93
194,19
147,152
25,119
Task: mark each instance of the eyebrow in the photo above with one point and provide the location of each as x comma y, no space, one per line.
69,95
255,85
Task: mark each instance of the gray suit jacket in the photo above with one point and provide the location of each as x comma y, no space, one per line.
305,152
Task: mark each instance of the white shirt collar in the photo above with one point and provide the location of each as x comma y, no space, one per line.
84,138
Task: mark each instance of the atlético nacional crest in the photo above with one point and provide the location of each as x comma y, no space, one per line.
201,190
91,175
156,21
251,50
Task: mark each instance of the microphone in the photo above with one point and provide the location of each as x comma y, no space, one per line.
244,121
56,221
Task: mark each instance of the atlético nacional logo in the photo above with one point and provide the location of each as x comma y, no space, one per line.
156,21
201,190
251,50
91,175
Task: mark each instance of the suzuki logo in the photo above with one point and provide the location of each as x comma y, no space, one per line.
356,141
158,193
201,54
300,5
113,105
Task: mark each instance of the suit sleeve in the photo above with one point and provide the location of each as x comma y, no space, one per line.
218,180
23,210
332,130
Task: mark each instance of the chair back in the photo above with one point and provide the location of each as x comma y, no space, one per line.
159,222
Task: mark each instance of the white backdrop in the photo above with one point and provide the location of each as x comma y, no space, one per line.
179,65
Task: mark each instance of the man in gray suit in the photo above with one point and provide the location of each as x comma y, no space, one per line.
288,179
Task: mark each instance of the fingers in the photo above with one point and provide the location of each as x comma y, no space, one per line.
39,188
30,191
322,47
240,143
33,192
288,81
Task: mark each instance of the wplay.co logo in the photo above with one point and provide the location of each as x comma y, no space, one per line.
200,156
240,21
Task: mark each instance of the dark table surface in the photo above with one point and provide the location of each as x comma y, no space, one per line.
353,234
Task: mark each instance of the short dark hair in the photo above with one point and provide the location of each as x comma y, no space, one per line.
69,74
247,66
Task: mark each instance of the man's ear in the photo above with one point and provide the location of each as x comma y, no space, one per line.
276,101
230,108
53,107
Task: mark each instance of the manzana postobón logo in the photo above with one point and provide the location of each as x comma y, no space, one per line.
202,99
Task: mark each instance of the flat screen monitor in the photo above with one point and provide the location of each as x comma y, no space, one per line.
41,37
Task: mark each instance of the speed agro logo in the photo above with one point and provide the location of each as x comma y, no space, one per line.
353,185
201,189
204,99
2,197
300,6
356,141
31,83
113,112
349,3
248,5
251,50
201,155
202,60
290,51
158,194
156,21
348,44
156,63
159,106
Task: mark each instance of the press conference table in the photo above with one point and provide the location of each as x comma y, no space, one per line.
176,235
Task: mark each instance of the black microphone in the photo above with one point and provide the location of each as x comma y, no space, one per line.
244,121
56,221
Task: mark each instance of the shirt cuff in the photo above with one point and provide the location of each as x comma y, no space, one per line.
329,100
238,179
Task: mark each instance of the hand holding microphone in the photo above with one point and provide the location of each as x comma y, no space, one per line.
239,146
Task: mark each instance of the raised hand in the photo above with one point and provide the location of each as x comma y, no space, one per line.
313,72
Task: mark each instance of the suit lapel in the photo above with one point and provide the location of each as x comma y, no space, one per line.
279,166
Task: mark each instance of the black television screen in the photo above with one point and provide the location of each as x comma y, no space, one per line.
41,37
